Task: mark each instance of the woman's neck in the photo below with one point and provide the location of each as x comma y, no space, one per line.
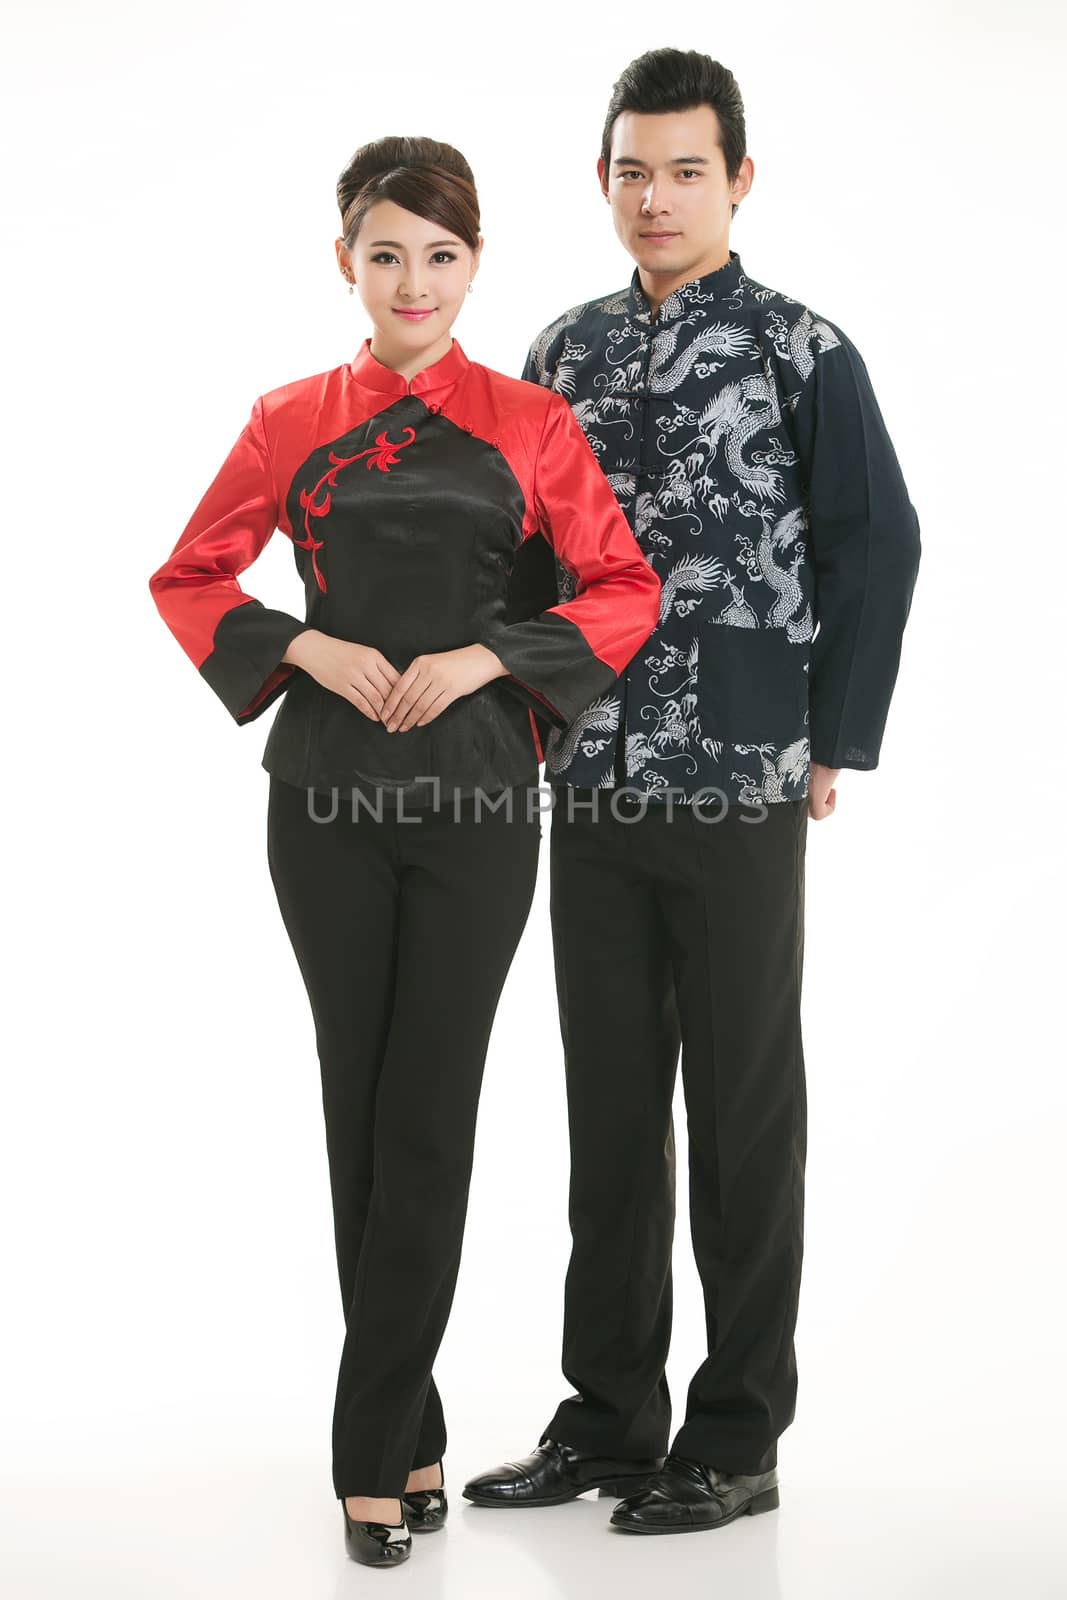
406,362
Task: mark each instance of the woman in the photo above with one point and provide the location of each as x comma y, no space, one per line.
402,841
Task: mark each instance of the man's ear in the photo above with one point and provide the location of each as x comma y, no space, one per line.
602,174
743,182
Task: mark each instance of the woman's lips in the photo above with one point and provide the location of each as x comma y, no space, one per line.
413,316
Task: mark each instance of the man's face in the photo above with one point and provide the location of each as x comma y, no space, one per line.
670,198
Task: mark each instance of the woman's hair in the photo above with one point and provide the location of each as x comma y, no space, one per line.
681,80
424,176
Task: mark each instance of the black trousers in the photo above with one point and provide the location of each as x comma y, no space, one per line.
404,933
675,932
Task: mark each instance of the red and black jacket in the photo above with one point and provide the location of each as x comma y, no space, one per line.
410,507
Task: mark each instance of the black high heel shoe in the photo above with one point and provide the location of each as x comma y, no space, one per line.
377,1544
425,1510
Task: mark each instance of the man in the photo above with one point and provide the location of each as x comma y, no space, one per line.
741,435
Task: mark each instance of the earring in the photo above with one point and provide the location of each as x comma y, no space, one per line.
470,287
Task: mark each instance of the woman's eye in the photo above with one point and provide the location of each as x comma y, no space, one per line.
384,255
442,255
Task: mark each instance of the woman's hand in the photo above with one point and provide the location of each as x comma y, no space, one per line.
357,672
432,682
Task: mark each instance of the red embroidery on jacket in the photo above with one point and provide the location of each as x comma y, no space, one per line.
382,454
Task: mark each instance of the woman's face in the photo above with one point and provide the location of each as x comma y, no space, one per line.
411,275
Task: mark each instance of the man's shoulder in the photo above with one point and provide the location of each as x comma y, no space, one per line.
604,305
576,323
806,324
799,334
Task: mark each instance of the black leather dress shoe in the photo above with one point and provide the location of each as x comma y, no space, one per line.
687,1496
376,1544
555,1473
425,1510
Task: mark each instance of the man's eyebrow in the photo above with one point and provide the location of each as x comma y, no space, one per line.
395,245
635,161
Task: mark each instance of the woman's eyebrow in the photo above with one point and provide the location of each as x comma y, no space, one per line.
395,245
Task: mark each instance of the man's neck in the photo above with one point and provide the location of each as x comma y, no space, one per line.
659,286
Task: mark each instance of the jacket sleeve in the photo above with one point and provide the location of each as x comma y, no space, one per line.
537,580
544,351
533,371
234,641
864,540
529,373
571,653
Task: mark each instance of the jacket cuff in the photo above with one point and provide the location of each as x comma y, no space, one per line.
245,666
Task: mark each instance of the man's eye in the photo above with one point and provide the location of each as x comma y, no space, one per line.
690,172
631,174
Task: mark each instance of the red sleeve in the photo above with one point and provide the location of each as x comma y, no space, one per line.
574,652
234,641
617,601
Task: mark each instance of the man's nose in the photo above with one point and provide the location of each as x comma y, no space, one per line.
653,200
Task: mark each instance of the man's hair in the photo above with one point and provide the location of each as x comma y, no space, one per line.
681,80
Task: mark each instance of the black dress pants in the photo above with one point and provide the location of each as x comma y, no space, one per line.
669,931
404,932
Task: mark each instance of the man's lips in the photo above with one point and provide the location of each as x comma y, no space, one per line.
659,233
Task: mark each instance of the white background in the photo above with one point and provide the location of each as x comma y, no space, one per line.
172,1319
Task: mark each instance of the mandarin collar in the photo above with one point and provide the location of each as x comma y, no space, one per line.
370,372
725,283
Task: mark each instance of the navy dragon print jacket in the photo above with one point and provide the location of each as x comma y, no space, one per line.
741,435
411,508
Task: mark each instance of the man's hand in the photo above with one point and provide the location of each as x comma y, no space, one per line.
357,672
432,682
822,796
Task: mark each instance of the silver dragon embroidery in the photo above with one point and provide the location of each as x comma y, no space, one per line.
723,452
789,766
600,717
